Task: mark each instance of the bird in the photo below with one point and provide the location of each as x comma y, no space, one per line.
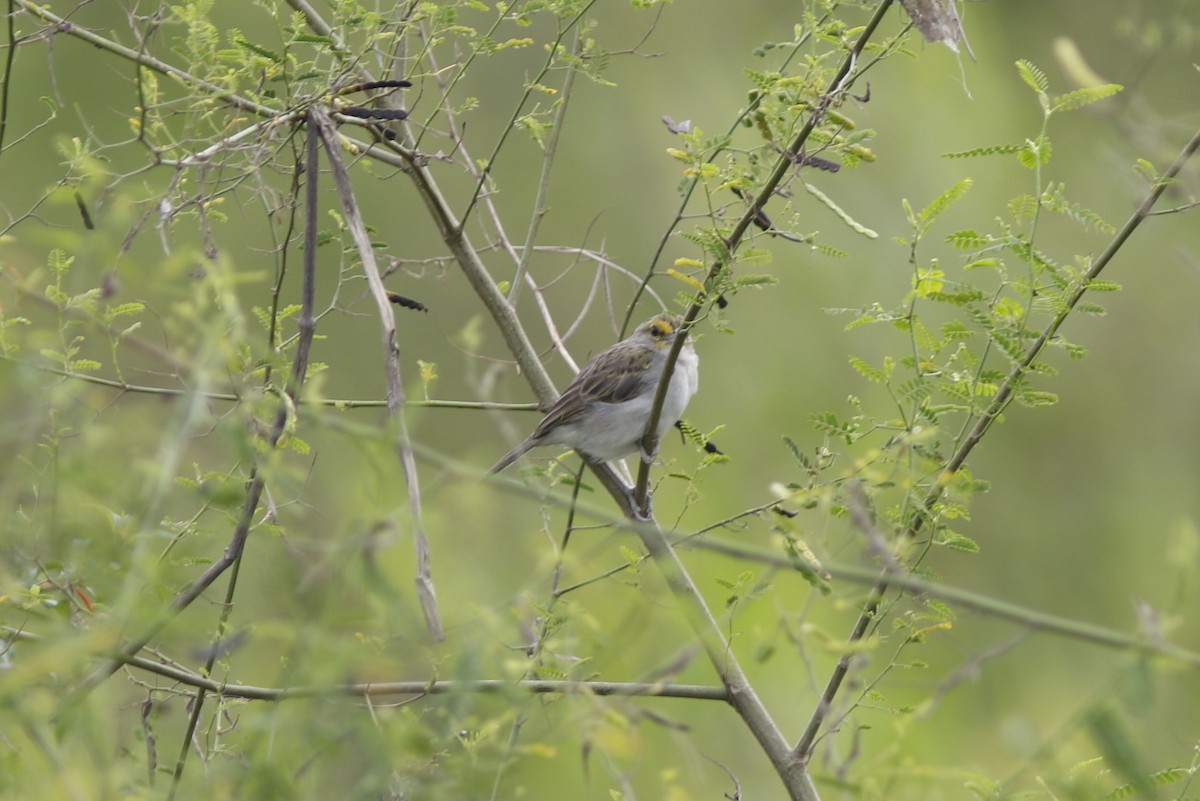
604,411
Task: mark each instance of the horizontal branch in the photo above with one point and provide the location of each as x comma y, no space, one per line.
231,397
390,688
860,575
993,607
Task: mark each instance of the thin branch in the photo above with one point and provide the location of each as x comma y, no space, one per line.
306,323
231,397
842,81
669,232
255,487
997,406
9,58
1176,209
477,171
388,688
66,26
395,388
791,770
992,607
531,86
543,189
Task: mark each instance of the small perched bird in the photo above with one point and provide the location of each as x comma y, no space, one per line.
604,412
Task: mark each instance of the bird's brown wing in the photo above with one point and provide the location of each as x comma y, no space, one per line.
614,376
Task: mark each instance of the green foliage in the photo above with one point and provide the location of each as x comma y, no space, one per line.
148,432
970,344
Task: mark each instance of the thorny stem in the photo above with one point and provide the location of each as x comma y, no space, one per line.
803,748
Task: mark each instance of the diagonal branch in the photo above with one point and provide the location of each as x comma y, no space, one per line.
999,403
842,81
543,188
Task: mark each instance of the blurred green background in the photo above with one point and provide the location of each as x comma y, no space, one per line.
1093,505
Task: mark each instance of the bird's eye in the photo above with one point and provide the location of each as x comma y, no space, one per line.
661,330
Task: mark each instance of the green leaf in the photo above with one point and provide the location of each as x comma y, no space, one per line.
1115,742
938,610
59,262
942,202
806,562
873,374
968,240
755,281
1163,777
1034,77
312,38
1147,171
246,44
755,256
977,263
955,330
122,309
1022,207
1035,398
828,423
1035,152
989,150
631,557
829,250
1084,97
928,282
836,209
801,460
958,542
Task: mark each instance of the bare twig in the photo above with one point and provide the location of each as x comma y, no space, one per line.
231,397
395,388
163,667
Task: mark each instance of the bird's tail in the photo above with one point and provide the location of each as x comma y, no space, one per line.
511,456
